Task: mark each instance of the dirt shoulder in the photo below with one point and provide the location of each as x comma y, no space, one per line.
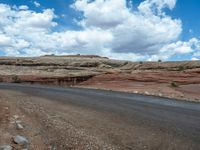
47,124
50,125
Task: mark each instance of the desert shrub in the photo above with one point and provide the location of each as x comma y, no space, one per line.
125,63
16,79
50,55
141,62
182,68
113,63
89,64
159,60
174,84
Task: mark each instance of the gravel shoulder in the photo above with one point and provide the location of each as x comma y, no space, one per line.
47,124
51,123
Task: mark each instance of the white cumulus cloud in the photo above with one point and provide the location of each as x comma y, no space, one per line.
37,4
4,40
138,32
155,6
23,7
109,28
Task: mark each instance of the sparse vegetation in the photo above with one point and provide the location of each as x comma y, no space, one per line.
16,79
113,63
50,55
141,62
182,68
174,84
125,63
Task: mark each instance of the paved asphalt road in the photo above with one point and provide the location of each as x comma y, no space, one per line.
179,118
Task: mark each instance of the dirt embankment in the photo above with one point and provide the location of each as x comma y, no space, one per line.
172,84
179,80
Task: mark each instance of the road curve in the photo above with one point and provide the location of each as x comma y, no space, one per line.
179,119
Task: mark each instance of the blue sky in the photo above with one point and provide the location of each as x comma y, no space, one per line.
187,12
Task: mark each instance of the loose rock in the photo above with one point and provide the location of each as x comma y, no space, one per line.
15,116
21,140
19,126
6,147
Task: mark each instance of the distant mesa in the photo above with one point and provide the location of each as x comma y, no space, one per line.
77,55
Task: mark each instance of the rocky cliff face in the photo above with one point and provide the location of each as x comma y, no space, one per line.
63,70
60,80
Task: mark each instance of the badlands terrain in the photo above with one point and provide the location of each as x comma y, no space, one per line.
179,80
56,103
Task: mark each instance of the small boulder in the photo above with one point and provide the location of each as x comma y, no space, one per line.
19,126
15,116
52,148
6,147
21,140
136,92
